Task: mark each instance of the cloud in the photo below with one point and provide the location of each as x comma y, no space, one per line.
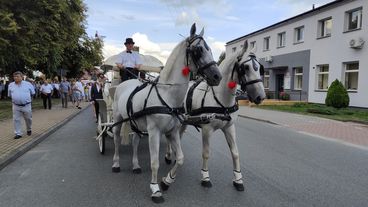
186,19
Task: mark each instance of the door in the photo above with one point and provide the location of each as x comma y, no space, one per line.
279,84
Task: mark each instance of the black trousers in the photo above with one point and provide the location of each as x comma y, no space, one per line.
46,98
132,74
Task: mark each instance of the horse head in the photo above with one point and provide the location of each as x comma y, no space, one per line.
248,72
199,54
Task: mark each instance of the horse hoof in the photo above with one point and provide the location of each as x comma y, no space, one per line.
206,184
137,171
167,160
238,186
116,169
164,186
158,199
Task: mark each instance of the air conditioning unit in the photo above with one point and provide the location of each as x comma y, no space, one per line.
268,58
356,43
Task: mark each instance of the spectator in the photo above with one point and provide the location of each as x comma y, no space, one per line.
46,93
96,93
2,88
65,91
21,93
76,94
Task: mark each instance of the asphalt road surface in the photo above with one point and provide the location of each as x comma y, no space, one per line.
281,168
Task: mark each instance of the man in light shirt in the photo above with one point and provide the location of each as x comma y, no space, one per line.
21,93
130,62
46,93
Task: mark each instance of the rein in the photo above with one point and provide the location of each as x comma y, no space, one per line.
240,69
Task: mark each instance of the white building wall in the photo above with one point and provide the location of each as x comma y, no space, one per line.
333,50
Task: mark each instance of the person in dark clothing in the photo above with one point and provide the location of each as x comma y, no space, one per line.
96,93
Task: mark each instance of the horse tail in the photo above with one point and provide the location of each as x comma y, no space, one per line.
126,131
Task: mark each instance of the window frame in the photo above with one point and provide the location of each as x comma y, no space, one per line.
253,44
296,76
281,39
347,19
351,71
233,49
318,73
296,34
268,40
322,32
266,79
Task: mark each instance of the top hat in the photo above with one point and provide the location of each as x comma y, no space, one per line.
129,41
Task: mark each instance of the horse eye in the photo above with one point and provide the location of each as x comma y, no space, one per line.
244,67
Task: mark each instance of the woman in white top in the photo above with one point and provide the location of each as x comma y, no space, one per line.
46,93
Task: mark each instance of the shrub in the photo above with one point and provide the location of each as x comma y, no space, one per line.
284,96
337,96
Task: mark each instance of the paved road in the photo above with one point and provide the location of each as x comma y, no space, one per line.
282,168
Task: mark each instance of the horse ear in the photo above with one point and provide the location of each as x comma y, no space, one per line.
202,32
245,46
193,30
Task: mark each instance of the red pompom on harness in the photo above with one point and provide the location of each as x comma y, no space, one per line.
185,71
231,84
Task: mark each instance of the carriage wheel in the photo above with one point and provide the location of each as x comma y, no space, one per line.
101,142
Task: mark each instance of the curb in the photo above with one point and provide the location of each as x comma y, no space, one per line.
35,141
257,119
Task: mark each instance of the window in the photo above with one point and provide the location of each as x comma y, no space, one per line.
351,76
324,27
281,39
234,49
266,79
298,78
266,43
252,44
322,77
299,34
353,19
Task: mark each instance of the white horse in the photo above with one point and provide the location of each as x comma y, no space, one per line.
167,94
241,68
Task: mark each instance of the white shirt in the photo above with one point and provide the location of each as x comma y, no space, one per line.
21,93
80,87
46,88
130,60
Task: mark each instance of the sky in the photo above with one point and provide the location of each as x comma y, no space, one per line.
157,26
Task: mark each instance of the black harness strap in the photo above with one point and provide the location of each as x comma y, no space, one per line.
207,109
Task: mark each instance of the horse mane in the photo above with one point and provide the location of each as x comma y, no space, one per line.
165,72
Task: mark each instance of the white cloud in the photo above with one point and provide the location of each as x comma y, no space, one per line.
217,47
187,19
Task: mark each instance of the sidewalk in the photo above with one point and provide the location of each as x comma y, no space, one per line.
44,123
346,132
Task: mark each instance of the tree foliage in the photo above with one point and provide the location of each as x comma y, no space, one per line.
41,35
221,58
337,96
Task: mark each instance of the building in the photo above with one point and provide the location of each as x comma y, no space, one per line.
304,54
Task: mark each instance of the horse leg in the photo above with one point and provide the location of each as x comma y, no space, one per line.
230,135
135,143
117,142
154,147
206,134
174,140
169,147
168,153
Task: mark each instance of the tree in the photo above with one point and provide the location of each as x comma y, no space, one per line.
221,58
37,33
337,96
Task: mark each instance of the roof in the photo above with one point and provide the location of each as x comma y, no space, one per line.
315,10
147,60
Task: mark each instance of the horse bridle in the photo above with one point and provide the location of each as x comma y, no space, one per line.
195,52
240,69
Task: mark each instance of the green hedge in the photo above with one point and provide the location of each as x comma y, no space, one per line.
337,96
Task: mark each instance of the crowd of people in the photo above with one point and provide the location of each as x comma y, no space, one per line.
88,87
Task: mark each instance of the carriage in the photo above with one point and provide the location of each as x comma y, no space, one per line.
105,120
